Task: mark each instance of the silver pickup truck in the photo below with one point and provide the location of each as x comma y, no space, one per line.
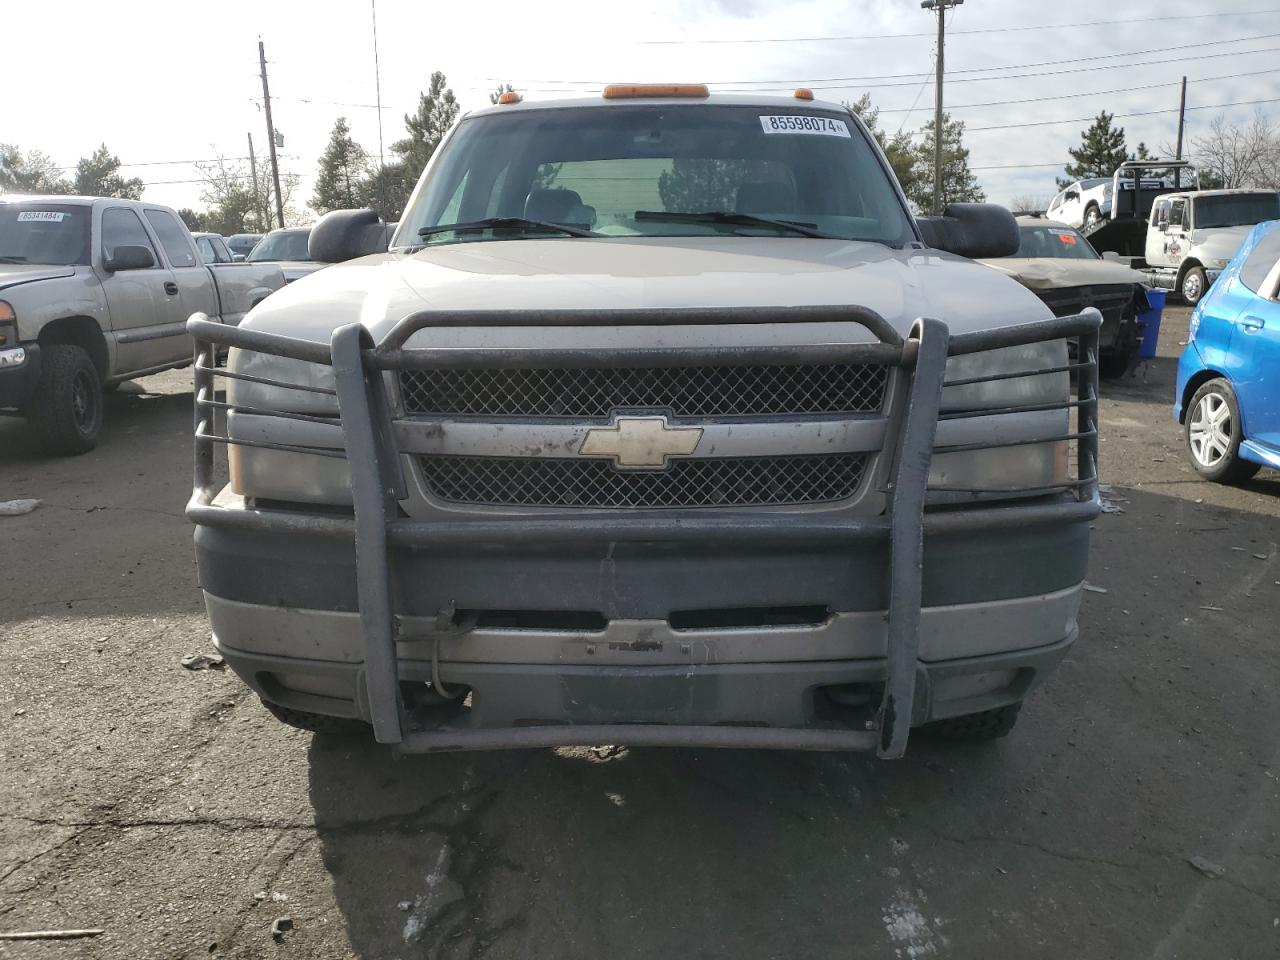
662,421
94,291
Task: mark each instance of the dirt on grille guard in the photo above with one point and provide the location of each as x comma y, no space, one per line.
377,484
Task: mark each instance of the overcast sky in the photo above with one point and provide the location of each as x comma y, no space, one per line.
161,81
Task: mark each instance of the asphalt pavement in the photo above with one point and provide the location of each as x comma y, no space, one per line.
1132,813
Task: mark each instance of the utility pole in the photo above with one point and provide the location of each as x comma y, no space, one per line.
257,197
377,78
271,132
942,6
1182,117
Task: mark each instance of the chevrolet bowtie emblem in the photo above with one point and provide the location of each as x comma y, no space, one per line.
640,441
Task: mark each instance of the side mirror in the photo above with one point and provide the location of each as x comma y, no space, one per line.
346,234
1072,195
973,230
129,257
238,258
1163,226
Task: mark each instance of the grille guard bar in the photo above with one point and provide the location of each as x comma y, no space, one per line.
377,484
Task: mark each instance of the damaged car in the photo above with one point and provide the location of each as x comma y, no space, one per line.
1059,266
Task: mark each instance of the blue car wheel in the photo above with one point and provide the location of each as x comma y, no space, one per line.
1213,434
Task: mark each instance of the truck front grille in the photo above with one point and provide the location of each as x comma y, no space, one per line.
732,391
582,482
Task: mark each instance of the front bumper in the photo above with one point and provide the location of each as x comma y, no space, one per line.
18,379
416,581
790,704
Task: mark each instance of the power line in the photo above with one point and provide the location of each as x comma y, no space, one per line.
1142,113
976,30
1092,93
914,77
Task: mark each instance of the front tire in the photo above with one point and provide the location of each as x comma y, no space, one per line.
66,411
1092,216
317,723
1193,286
978,727
1213,434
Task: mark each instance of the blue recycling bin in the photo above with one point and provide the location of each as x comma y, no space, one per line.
1149,320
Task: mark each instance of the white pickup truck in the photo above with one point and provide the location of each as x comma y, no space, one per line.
95,291
1192,236
661,421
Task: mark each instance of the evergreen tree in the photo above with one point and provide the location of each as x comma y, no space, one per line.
98,175
194,220
897,149
437,109
344,169
387,190
958,182
1101,151
32,172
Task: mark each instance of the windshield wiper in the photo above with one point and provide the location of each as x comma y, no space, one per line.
500,223
738,219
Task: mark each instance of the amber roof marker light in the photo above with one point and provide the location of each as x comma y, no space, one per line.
803,93
509,97
627,91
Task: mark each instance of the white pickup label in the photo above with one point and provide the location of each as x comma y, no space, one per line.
41,216
822,126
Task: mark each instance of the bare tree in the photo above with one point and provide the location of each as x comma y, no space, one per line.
232,206
1239,156
1030,202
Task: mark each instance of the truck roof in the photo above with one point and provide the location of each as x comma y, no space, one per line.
715,99
1194,194
74,201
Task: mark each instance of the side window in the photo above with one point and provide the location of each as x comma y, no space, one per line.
1160,212
173,237
1260,261
207,253
220,250
1177,213
122,228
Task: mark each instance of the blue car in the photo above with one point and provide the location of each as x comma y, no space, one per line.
1229,376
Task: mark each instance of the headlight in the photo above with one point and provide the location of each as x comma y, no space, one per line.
263,366
282,474
8,325
1002,469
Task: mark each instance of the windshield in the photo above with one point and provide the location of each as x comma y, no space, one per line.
44,233
1236,210
597,168
282,246
1058,243
242,242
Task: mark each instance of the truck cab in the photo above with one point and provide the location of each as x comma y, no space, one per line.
1192,236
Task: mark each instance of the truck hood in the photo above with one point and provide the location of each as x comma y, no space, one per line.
592,274
1053,273
12,274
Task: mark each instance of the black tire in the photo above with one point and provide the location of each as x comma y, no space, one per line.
1194,286
1115,363
1198,427
1092,216
65,412
978,727
317,723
